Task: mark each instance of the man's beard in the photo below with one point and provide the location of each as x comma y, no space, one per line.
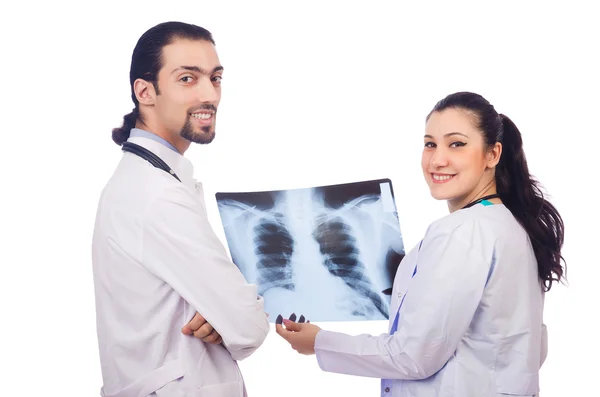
206,136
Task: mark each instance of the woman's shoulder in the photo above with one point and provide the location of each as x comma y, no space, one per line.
489,220
476,229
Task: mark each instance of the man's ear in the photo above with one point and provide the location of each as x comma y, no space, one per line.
144,92
493,155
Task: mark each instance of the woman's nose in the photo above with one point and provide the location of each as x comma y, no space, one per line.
439,158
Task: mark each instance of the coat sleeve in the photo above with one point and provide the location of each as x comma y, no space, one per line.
180,247
437,310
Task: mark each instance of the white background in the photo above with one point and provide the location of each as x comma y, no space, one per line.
314,93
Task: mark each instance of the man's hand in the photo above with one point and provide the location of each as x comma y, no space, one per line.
201,329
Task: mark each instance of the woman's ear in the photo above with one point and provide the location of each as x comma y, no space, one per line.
493,155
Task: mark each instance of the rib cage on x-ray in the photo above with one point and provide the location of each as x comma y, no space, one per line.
313,253
342,258
273,248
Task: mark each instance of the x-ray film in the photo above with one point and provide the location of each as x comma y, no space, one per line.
329,253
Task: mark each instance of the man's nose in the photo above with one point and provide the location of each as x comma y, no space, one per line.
206,91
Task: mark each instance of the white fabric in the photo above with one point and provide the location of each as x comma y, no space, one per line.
156,263
471,321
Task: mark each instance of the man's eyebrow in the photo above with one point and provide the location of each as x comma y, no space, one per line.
198,69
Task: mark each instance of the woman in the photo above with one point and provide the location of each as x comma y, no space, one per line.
467,301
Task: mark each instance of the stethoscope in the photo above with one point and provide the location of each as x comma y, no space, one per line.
484,198
148,156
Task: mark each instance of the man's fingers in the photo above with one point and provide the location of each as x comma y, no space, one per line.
196,322
203,331
186,330
212,337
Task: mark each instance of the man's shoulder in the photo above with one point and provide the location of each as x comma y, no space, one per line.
137,185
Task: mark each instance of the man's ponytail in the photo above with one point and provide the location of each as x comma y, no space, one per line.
121,134
147,61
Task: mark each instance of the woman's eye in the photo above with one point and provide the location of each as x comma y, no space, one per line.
457,144
429,144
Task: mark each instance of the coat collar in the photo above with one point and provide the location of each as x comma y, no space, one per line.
181,165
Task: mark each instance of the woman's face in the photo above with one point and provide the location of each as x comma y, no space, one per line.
456,162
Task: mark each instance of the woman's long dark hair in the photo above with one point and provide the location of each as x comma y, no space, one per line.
519,191
146,62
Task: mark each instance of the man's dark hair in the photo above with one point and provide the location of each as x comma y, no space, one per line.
147,61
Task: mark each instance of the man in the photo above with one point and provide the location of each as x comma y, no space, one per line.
173,312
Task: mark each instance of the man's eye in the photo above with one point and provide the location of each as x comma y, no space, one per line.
186,79
217,79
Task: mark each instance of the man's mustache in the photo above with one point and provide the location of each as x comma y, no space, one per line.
204,107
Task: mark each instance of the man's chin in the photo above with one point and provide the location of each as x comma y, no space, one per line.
202,138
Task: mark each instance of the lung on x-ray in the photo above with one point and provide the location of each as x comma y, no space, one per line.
329,253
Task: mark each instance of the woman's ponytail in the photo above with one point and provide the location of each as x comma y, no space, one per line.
121,134
521,194
512,172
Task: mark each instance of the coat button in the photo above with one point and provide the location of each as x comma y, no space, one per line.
387,389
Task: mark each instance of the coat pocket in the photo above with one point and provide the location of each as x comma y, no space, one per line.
227,389
152,381
517,384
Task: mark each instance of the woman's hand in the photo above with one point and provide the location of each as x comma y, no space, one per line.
301,336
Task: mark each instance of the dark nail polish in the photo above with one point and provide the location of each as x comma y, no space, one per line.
301,319
279,320
293,317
